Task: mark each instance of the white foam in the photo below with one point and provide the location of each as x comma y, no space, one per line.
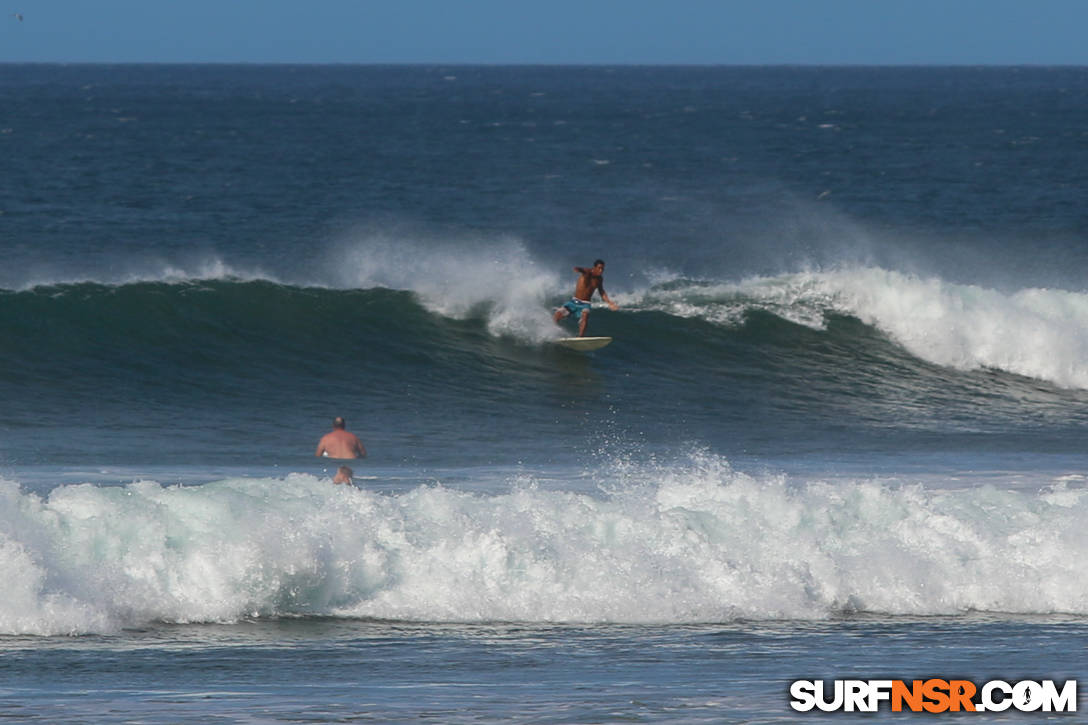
1039,333
691,542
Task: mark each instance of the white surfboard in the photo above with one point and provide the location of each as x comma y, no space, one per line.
583,344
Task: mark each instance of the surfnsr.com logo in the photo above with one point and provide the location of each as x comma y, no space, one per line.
933,695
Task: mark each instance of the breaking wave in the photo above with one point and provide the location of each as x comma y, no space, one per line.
692,542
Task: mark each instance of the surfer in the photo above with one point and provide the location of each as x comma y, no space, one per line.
338,443
343,475
590,280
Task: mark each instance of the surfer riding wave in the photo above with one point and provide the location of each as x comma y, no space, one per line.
590,280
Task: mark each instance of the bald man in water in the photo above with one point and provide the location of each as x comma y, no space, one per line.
338,443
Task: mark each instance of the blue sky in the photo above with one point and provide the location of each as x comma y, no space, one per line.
1049,32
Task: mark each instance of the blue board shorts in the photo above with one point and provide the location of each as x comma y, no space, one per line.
576,307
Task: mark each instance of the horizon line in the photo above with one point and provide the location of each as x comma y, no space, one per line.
483,64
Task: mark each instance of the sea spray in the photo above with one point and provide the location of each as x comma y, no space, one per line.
497,279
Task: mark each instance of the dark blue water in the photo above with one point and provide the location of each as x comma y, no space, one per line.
847,390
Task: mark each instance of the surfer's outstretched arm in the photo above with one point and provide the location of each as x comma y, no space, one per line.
606,298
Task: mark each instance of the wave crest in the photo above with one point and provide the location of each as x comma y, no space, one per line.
1037,333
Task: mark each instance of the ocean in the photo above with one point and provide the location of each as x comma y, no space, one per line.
839,434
